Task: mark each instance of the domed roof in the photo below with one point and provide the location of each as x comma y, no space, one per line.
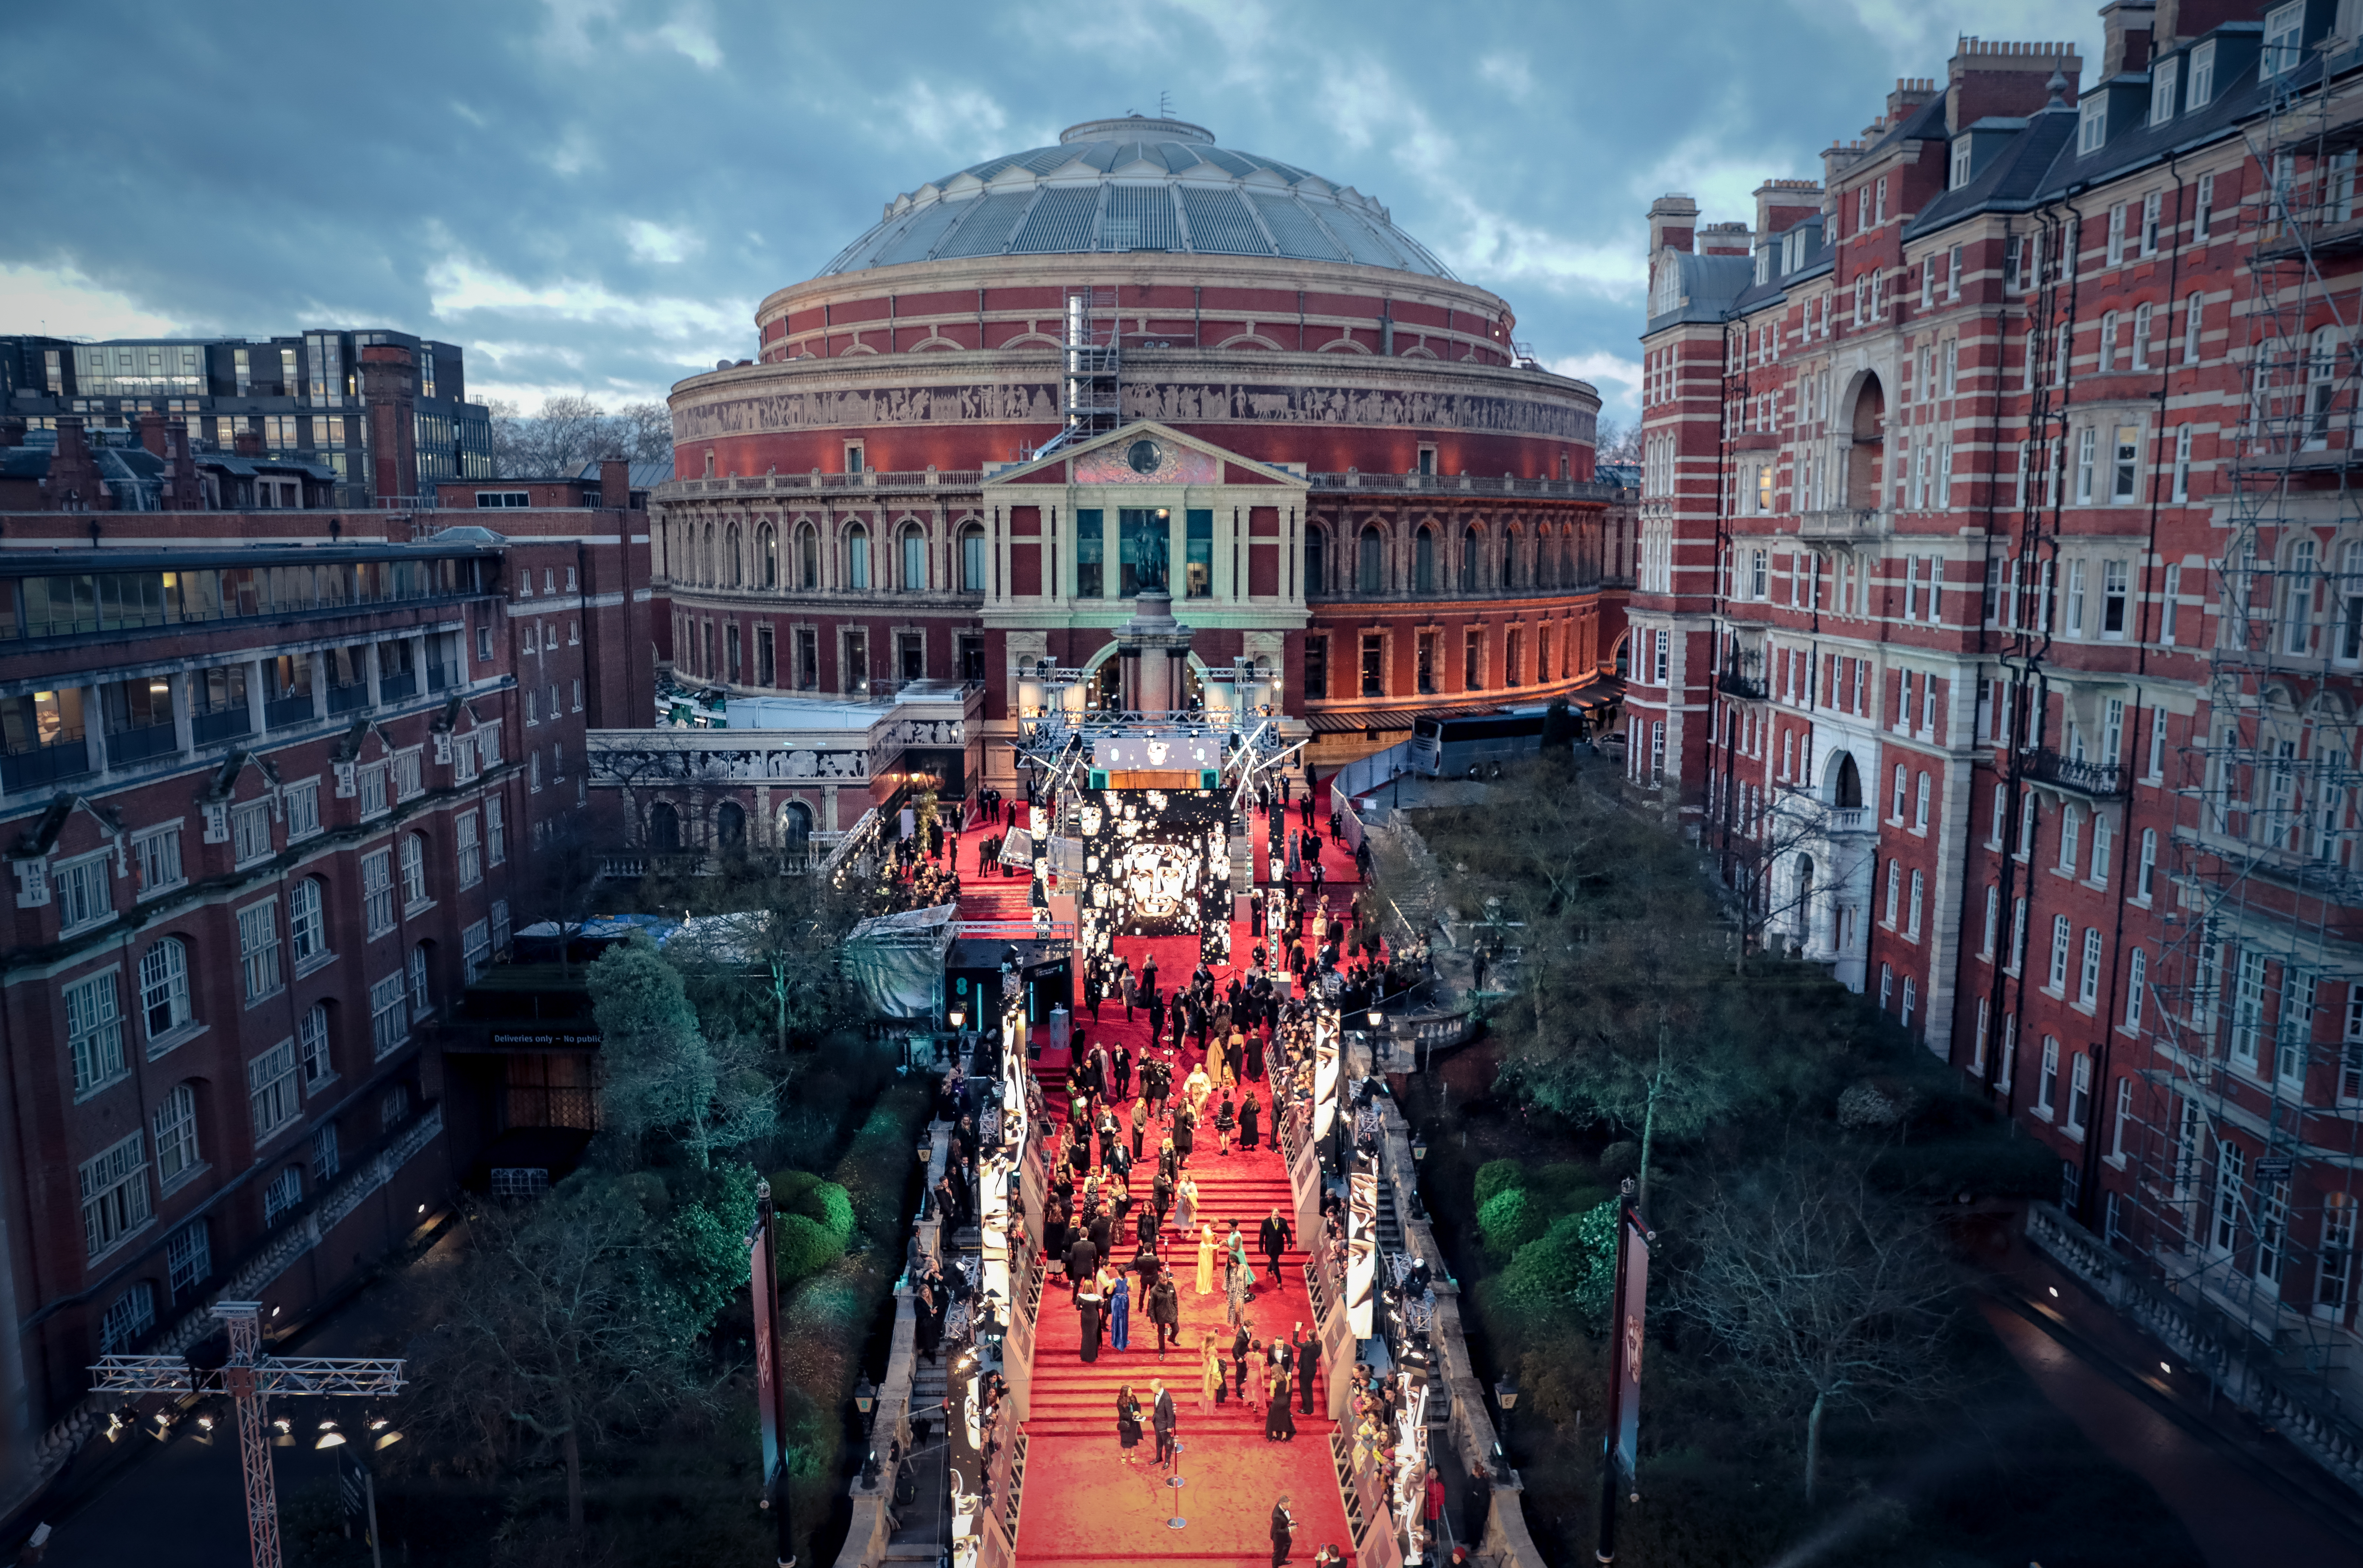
1136,185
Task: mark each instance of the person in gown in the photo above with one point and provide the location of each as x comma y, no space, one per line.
1127,1423
1210,1373
1205,1259
1088,1303
1185,1203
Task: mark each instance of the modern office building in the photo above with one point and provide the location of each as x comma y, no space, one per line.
299,397
1998,626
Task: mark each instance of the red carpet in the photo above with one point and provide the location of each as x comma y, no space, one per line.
1083,1507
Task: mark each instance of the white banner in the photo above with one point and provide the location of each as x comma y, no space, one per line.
1361,1247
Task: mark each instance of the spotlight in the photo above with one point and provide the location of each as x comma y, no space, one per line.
163,1420
329,1436
282,1432
387,1433
120,1422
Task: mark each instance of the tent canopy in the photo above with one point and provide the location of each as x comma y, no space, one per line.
897,960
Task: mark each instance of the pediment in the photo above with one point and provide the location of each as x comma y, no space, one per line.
1143,453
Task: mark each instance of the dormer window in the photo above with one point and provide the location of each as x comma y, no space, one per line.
1763,264
2284,26
2202,77
2163,78
1960,162
2092,123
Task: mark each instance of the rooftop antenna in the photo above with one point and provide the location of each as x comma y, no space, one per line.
1164,105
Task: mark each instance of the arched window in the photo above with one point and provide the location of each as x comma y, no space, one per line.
857,558
705,561
1423,562
1510,558
413,868
1470,543
306,926
1372,572
422,961
808,557
796,830
1846,783
730,826
664,828
768,541
914,559
972,559
1316,560
732,559
176,1135
164,987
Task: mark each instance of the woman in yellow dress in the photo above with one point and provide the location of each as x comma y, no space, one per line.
1205,1259
1210,1371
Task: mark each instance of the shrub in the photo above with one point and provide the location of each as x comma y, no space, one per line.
806,1247
1497,1176
1620,1160
1511,1220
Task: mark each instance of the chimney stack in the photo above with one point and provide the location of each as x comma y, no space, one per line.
2125,32
73,471
1674,222
389,401
2004,81
181,491
614,483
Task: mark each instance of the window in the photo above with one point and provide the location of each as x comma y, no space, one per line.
2047,1082
257,949
2145,317
2063,942
164,988
326,1158
972,560
2079,1092
285,1192
2117,255
132,1315
496,838
2073,624
176,1136
2163,78
2087,442
2088,979
85,892
94,1032
1912,913
421,1002
115,1200
249,832
2202,88
2297,599
414,869
2335,1258
2293,1043
1993,918
2125,474
374,777
2249,1009
2072,830
2230,1168
1920,805
1961,162
915,560
2272,1227
408,785
302,806
857,558
312,1045
2092,123
158,855
2284,25
476,950
1896,810
2104,835
189,1260
377,891
388,1026
270,1091
1894,890
500,924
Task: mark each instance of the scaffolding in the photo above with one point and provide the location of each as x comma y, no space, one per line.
2245,1151
1091,370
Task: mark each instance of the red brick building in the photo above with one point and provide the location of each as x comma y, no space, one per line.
272,785
1998,621
1364,483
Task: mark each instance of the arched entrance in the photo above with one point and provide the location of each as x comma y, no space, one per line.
664,828
730,827
796,830
1846,784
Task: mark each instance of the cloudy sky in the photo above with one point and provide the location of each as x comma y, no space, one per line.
592,195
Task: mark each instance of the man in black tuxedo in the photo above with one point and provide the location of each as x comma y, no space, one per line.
1283,1526
1166,1420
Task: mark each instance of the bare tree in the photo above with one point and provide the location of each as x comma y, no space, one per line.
1822,1291
557,1327
1612,441
508,438
570,431
645,431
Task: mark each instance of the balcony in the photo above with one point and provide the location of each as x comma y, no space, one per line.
345,699
221,724
1847,523
395,688
35,766
2097,781
1467,484
288,712
125,747
441,678
1747,688
1807,807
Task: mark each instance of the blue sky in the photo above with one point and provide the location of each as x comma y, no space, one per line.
592,195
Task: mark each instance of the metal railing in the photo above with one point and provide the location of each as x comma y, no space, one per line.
394,688
286,712
345,699
126,746
29,768
225,724
868,478
2103,780
1469,484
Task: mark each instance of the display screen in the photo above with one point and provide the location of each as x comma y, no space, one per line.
1156,863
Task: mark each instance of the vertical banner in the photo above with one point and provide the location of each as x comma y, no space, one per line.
763,1281
1361,1246
1325,1072
1632,1301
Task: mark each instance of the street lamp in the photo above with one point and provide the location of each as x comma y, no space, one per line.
1505,1393
956,1017
865,1399
1419,1148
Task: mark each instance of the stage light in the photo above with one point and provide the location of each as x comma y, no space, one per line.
388,1434
329,1436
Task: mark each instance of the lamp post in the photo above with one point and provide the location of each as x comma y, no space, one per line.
1419,1151
1505,1393
865,1399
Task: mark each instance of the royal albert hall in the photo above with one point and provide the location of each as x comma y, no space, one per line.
1358,479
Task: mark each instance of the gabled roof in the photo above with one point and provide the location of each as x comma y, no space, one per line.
1218,464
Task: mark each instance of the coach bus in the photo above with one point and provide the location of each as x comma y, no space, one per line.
1450,748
